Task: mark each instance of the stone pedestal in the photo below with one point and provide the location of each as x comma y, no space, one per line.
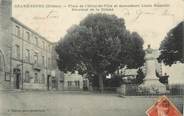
151,84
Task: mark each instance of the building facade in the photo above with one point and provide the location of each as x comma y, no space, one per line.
75,81
27,59
5,44
31,56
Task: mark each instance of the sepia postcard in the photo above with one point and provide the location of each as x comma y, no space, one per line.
91,57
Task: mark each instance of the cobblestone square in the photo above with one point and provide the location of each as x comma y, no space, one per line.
76,104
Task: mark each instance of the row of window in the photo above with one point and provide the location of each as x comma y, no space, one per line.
35,79
35,39
28,56
77,83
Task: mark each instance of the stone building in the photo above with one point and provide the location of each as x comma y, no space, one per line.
27,59
32,55
5,44
75,81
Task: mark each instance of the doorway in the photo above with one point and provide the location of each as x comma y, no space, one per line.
17,82
48,82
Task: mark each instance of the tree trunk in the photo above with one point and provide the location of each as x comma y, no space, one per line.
101,86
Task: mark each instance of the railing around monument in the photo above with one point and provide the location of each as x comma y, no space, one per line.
133,90
176,89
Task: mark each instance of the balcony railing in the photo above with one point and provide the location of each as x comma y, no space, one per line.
37,66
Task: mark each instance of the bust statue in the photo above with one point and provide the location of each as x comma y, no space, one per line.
149,53
149,50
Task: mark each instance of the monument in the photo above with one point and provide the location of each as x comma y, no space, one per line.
151,82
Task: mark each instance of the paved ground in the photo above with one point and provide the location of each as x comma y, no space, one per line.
75,104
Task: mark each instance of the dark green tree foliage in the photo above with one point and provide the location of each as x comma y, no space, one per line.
98,46
140,76
162,78
172,46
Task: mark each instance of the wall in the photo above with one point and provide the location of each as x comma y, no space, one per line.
69,77
5,42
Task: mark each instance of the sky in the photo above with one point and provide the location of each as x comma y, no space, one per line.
152,23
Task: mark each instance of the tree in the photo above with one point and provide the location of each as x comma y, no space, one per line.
162,78
172,46
140,76
98,46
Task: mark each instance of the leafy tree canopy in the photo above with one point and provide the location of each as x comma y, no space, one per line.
99,45
172,46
